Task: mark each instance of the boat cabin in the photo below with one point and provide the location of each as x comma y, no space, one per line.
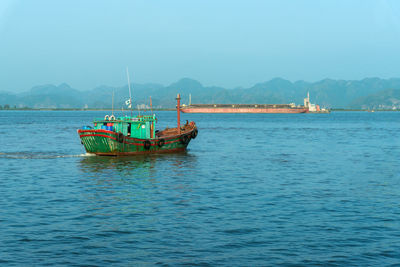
142,127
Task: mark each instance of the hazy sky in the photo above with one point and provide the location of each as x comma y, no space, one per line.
218,42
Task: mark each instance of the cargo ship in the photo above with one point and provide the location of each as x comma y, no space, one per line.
243,108
253,108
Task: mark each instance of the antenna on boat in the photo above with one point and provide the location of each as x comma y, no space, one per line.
129,86
151,106
112,105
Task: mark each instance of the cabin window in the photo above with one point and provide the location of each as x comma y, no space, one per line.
129,129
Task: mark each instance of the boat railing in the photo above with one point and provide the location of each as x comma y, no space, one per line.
126,119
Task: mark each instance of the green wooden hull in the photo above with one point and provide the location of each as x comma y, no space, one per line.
104,142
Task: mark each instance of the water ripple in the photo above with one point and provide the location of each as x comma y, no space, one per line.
260,191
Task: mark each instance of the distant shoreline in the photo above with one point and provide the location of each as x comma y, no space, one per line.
169,109
364,110
80,109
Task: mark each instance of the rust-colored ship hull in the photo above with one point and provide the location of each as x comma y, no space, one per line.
243,108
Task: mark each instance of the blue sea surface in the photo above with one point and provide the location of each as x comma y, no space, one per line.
252,190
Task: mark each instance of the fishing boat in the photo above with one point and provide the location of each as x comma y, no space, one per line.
131,135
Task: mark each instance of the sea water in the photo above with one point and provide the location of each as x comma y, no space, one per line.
252,190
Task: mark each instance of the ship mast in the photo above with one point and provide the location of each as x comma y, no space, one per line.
178,98
151,106
112,104
129,86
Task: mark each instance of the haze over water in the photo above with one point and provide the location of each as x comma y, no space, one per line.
253,189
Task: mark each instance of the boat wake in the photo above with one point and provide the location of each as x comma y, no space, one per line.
40,155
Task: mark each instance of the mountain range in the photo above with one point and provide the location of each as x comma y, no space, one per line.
369,93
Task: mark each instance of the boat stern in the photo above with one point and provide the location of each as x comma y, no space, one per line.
99,141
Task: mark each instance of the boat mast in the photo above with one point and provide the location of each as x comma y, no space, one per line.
129,86
178,98
112,105
151,106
